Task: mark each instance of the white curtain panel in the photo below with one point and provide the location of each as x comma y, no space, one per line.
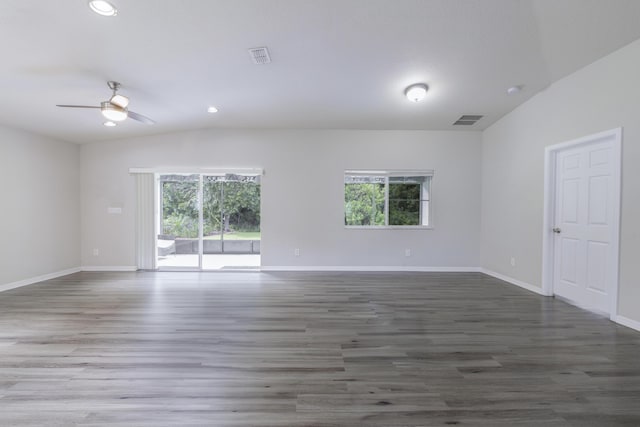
145,221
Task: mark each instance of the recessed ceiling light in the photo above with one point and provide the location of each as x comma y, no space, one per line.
212,109
109,124
416,92
514,89
103,7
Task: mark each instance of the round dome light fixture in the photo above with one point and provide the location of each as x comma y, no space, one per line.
416,92
103,7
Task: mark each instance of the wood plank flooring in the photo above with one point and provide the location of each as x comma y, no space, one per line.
308,349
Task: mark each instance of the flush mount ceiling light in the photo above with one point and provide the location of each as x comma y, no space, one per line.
212,109
416,92
109,124
103,7
113,112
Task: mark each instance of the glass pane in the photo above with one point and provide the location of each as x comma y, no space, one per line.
212,187
241,210
231,220
408,179
178,243
404,204
364,203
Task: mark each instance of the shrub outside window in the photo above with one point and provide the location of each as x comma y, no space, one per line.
387,198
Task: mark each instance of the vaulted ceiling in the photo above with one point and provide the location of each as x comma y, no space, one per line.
340,64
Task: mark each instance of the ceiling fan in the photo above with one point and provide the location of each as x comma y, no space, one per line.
115,109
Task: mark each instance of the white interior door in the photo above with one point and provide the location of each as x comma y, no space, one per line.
586,228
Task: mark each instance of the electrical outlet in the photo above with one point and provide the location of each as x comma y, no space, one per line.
513,261
96,252
407,252
296,251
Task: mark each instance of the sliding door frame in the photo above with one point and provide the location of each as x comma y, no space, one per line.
201,172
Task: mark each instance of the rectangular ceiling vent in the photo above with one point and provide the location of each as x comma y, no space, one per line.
468,120
260,55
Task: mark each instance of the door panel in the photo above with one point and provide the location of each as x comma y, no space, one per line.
599,157
178,237
598,191
597,266
571,194
569,257
231,221
583,221
571,162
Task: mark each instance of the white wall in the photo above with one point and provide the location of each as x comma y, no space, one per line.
302,193
602,96
40,211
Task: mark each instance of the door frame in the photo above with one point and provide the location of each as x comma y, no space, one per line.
550,175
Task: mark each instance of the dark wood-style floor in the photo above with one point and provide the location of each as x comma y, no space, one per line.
309,349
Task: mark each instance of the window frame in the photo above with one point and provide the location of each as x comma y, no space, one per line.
428,174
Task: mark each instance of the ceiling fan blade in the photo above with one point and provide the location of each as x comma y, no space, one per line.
141,118
77,106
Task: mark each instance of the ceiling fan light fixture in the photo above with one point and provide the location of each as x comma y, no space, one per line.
119,100
416,92
113,112
103,7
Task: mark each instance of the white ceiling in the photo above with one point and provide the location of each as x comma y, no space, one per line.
340,64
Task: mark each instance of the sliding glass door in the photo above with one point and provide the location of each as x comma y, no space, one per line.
209,222
231,221
179,222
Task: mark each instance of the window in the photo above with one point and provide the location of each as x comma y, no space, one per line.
384,198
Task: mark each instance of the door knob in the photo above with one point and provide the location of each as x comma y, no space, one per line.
556,230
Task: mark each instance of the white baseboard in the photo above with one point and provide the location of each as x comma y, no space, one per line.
37,279
370,268
513,281
629,323
109,268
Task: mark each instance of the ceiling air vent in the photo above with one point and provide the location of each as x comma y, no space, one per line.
260,55
468,120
